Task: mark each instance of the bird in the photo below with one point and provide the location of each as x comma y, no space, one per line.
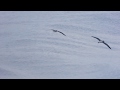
101,41
58,31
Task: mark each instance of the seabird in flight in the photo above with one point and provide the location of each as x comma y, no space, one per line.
58,31
101,41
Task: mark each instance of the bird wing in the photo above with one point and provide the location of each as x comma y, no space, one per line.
96,38
58,31
107,45
62,33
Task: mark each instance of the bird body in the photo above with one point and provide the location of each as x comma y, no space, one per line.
101,41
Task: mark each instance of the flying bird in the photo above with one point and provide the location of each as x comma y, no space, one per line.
101,41
58,31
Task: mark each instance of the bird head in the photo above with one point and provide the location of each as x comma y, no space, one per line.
54,30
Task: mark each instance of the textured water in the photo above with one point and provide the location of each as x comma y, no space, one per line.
30,49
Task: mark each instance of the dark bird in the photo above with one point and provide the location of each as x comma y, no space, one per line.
58,31
101,41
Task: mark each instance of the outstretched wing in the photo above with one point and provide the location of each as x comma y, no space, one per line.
58,31
62,33
107,45
96,38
